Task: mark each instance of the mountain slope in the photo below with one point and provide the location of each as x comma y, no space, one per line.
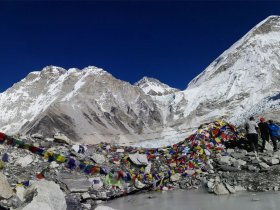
154,87
240,81
83,104
91,105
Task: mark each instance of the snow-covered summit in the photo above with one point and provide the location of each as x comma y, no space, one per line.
154,87
91,105
235,84
256,43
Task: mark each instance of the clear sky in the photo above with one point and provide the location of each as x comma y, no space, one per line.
170,41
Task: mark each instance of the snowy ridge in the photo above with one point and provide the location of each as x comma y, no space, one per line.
240,78
36,93
91,105
154,87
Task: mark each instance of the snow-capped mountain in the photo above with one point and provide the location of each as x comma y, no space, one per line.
242,82
154,87
91,105
88,104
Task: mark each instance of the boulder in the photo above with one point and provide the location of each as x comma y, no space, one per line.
20,192
268,146
75,183
238,163
86,206
139,159
274,161
277,153
210,184
239,188
99,159
263,165
5,190
230,188
251,168
73,203
85,196
45,195
238,155
176,177
61,138
24,161
220,189
229,151
226,160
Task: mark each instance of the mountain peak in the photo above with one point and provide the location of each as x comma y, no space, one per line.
94,70
146,80
249,54
270,24
154,87
53,70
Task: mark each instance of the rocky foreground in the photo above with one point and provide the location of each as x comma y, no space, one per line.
39,173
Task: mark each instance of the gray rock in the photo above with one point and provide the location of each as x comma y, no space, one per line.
268,146
45,144
229,151
5,190
102,195
48,196
225,159
20,192
176,177
99,159
263,165
73,203
277,153
210,184
251,168
220,189
85,196
75,183
139,159
230,188
239,188
251,154
25,161
61,138
274,161
86,206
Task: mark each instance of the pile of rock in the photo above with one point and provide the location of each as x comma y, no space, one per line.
82,179
240,170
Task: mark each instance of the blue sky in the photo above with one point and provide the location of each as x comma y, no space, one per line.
170,41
